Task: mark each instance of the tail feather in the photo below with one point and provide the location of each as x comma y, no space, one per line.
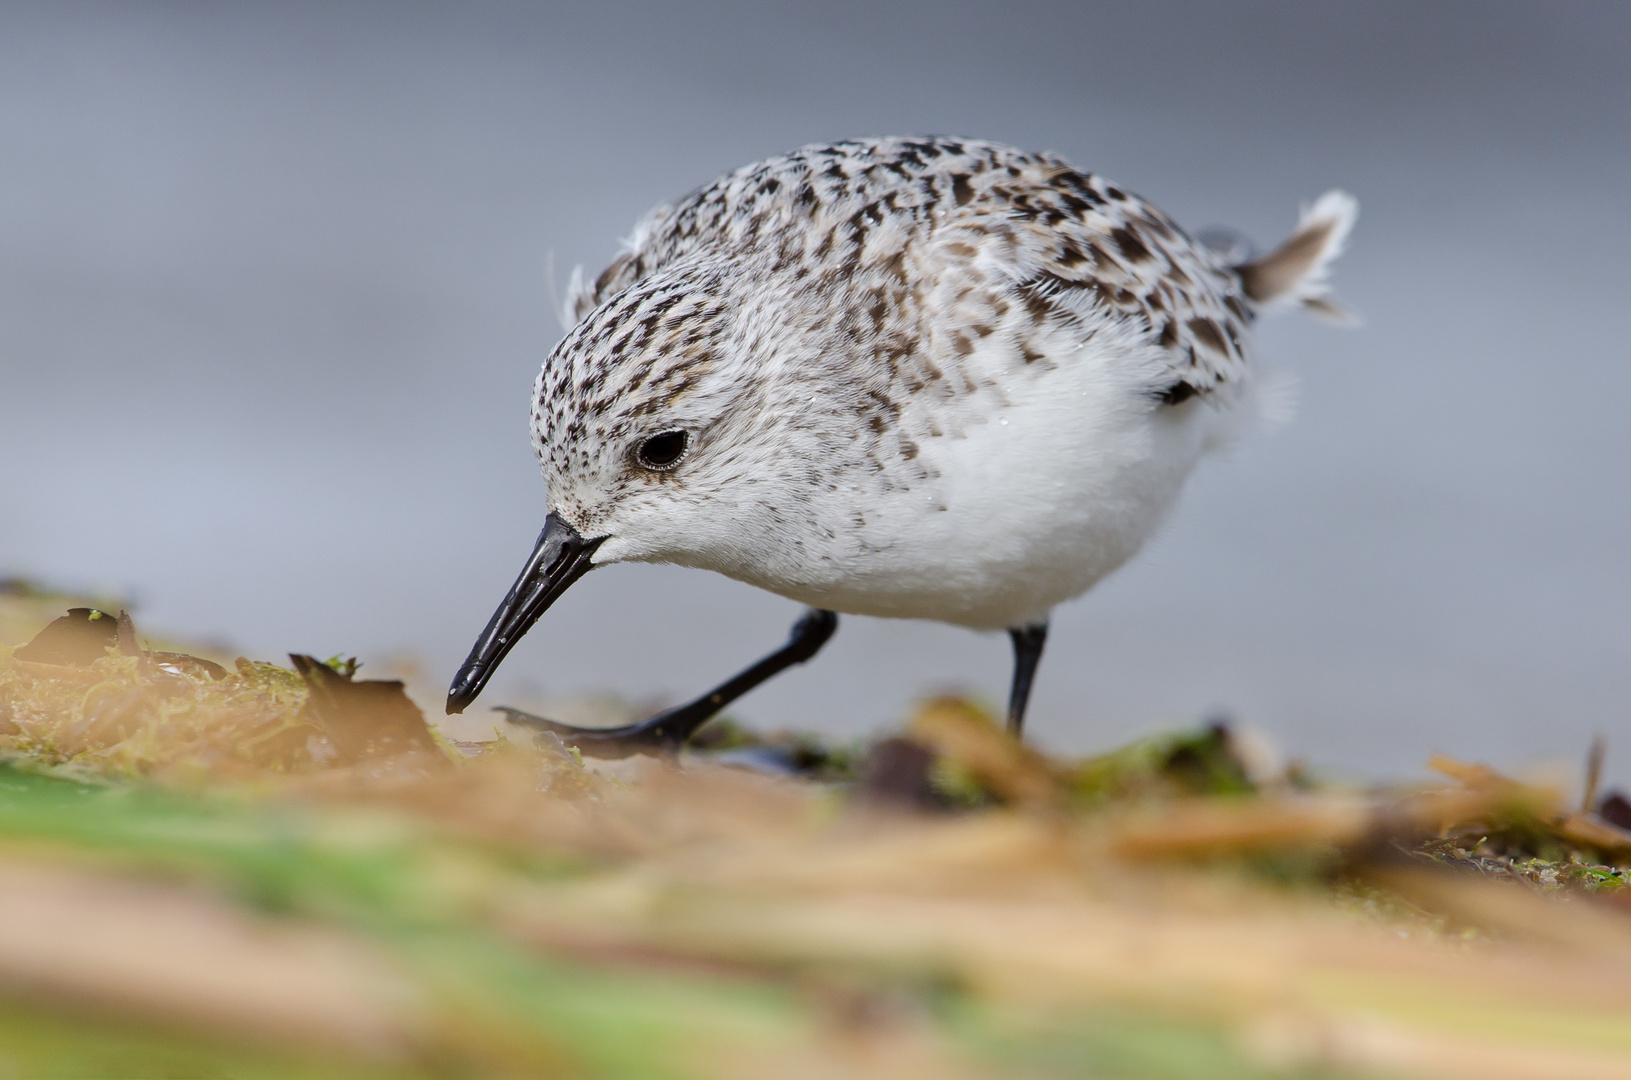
1298,271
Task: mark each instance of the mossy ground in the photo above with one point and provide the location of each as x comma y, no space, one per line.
173,839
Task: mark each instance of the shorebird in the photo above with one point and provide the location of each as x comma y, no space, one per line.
921,378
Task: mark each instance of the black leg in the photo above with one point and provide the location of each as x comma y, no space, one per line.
666,732
1028,641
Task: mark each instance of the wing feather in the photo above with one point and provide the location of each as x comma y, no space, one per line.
1040,234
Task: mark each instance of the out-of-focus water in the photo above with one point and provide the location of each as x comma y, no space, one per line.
274,284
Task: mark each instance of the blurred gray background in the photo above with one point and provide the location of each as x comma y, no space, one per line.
274,286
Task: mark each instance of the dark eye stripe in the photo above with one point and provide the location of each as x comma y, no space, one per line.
662,451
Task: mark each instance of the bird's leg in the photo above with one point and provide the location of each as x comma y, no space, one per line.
1028,641
666,732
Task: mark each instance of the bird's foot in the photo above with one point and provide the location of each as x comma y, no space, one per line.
666,732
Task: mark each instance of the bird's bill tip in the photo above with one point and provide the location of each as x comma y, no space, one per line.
464,689
561,556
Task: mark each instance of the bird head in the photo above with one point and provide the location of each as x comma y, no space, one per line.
666,428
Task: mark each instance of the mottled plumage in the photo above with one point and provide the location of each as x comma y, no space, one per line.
949,235
922,378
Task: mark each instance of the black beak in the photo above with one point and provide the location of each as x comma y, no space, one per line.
561,557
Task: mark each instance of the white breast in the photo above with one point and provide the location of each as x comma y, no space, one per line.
1046,480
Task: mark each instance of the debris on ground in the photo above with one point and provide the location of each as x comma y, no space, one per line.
252,869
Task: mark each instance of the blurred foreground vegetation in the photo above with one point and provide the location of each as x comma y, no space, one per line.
251,870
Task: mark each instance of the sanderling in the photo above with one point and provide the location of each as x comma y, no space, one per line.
920,378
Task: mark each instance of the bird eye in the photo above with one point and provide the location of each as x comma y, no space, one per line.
662,451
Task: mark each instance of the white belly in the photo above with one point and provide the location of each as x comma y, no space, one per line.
1036,499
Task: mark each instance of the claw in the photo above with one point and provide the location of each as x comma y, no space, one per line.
657,735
